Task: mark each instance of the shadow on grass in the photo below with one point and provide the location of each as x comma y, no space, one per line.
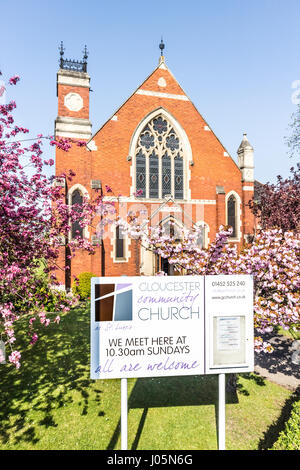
280,361
59,363
55,365
171,392
260,381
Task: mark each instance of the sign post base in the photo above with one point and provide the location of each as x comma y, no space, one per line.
221,413
124,414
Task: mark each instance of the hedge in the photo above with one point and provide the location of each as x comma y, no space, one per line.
289,438
83,286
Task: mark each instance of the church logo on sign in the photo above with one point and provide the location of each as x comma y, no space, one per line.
113,302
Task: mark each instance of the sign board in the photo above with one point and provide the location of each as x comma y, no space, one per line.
147,326
229,334
150,326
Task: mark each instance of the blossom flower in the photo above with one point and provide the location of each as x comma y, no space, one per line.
13,80
34,338
14,358
108,189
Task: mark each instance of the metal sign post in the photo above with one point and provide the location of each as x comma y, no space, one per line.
221,413
124,414
2,352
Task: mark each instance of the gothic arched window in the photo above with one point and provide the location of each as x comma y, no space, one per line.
120,248
171,229
231,215
77,200
159,161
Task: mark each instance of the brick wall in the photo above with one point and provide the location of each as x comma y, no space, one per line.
211,164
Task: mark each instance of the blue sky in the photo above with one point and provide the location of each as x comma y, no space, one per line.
236,60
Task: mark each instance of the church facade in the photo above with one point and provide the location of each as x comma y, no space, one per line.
159,155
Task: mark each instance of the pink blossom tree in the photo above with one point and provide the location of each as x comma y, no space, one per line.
34,219
272,258
278,205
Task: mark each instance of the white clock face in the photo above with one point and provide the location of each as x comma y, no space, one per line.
73,101
248,175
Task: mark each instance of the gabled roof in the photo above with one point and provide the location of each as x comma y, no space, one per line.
161,66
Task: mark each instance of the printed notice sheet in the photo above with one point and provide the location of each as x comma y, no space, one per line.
229,334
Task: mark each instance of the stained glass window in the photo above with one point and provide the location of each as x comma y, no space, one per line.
172,142
153,175
178,177
141,173
147,140
76,199
166,175
160,125
231,214
159,161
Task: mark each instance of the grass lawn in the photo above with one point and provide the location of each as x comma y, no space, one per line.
51,403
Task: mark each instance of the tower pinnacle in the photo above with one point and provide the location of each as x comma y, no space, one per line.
161,46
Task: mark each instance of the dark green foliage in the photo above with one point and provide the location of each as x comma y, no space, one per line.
289,438
82,286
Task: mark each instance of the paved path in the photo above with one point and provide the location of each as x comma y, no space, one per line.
278,366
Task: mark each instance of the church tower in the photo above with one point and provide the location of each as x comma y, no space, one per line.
246,164
72,121
73,89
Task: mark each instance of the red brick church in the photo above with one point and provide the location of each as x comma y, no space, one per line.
157,153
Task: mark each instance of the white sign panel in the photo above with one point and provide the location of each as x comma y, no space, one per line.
147,326
150,326
229,332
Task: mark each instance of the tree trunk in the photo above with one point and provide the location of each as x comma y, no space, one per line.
231,383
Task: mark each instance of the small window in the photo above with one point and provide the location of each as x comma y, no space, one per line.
77,199
231,215
200,241
120,248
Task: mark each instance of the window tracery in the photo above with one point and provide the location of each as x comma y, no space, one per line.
159,161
